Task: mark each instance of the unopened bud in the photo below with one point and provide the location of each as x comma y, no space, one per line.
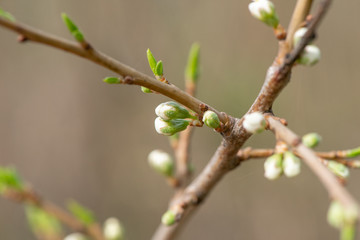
161,162
355,164
299,34
254,122
112,80
172,110
264,10
311,140
113,230
335,215
75,236
353,152
273,166
145,90
310,56
170,127
291,164
211,119
168,218
338,169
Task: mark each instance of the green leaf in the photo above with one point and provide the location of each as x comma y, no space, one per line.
74,30
152,61
192,67
82,213
42,222
9,178
159,69
145,89
111,80
6,15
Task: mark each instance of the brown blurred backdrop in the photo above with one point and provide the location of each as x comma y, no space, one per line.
72,136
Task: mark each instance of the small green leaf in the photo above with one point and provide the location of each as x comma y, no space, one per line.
9,178
159,69
152,61
353,152
82,213
6,15
192,67
111,80
145,89
41,222
74,30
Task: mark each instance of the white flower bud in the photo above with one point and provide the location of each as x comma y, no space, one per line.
273,166
172,110
170,127
291,164
75,236
264,10
113,230
299,34
310,56
356,164
338,169
254,122
335,215
211,119
161,162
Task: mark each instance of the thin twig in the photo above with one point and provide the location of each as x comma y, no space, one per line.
302,9
334,188
131,75
30,197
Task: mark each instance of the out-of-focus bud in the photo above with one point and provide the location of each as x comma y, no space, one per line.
170,127
338,169
112,80
161,162
310,56
273,166
291,164
254,122
311,140
75,236
145,90
211,119
6,15
335,215
113,229
353,152
356,164
192,67
168,218
264,10
172,110
299,34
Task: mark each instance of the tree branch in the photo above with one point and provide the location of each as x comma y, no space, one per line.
334,188
130,75
30,197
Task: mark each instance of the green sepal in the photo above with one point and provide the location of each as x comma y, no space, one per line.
159,69
145,90
9,178
82,213
151,60
192,67
74,30
7,15
42,223
353,152
111,80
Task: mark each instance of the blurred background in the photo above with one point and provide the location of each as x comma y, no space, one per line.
74,137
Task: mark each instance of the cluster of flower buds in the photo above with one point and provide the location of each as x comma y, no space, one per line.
254,122
280,163
162,162
172,118
343,218
264,10
311,54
